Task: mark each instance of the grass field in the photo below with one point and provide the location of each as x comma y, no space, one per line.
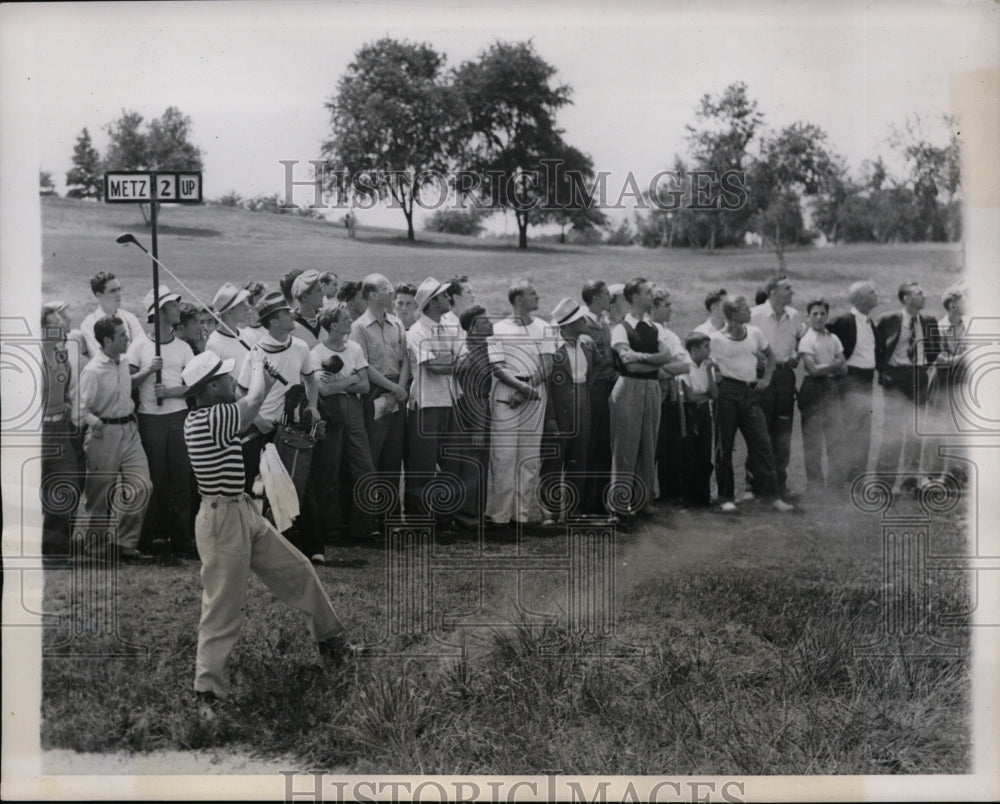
746,624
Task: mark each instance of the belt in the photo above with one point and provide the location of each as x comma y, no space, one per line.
743,383
118,420
55,417
824,378
653,376
861,372
785,365
227,499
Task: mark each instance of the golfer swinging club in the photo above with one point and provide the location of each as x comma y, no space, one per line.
232,537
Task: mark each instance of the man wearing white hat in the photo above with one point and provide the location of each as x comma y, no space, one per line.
569,406
233,538
434,349
162,410
232,305
307,297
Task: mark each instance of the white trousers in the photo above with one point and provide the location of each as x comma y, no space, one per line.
515,459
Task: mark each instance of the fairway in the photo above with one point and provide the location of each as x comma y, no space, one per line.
734,643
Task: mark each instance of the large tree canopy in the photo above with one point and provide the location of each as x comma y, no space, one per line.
391,120
509,131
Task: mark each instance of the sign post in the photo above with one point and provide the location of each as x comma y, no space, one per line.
153,187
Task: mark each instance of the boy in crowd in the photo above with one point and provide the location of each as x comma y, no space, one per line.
819,398
350,294
716,321
475,380
342,372
697,392
329,285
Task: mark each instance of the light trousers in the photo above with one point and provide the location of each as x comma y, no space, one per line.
515,459
233,541
118,480
635,423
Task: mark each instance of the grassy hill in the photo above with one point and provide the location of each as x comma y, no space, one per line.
206,246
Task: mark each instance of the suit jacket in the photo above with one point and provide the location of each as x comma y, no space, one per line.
845,327
889,326
567,399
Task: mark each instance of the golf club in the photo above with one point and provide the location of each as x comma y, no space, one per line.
127,238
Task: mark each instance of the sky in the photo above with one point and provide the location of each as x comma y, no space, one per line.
254,77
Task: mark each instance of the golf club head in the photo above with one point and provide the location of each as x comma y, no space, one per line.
126,238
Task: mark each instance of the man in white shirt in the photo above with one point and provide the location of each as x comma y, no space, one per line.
782,327
520,352
434,350
716,321
162,410
232,305
107,289
735,351
863,350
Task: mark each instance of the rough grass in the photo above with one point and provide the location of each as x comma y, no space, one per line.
741,670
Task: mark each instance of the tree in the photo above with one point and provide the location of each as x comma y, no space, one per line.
509,131
793,163
164,145
85,179
45,184
934,175
390,122
719,142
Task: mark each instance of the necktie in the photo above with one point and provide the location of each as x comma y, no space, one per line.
911,347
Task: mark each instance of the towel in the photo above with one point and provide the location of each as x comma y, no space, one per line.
280,489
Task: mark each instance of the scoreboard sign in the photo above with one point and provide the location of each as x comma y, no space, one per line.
142,187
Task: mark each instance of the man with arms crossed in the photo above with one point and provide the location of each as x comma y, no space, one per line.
233,538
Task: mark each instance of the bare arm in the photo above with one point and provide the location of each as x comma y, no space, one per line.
259,383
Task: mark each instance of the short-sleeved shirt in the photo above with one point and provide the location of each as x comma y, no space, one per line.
706,327
737,360
782,332
697,377
135,331
176,355
352,357
213,446
105,389
292,360
383,342
227,346
519,347
823,345
425,340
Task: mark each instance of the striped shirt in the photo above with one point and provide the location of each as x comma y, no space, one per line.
214,449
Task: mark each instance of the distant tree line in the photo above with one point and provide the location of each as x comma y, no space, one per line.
273,203
786,171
